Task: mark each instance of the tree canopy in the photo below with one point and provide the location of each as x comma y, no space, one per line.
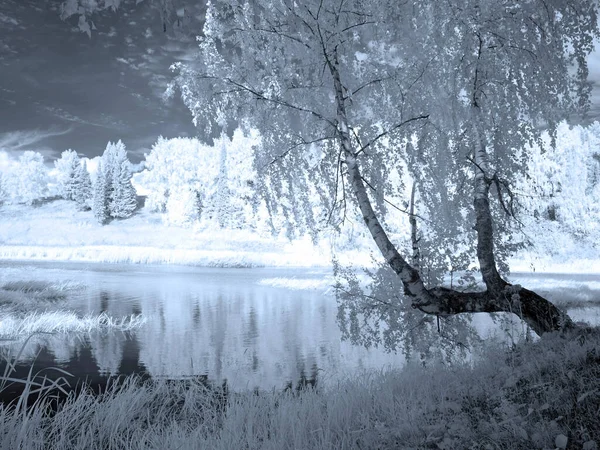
423,107
446,93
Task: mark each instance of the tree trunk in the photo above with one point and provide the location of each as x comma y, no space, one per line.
540,314
483,215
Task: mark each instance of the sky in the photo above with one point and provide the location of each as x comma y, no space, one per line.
61,89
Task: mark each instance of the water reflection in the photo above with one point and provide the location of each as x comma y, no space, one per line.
222,324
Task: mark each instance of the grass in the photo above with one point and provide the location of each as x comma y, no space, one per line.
30,307
22,296
541,395
15,327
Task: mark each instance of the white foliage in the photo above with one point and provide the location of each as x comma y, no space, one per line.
65,173
182,206
564,184
191,181
28,179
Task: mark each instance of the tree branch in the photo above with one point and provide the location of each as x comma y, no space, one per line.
408,213
391,130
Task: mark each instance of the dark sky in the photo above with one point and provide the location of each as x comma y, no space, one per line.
60,89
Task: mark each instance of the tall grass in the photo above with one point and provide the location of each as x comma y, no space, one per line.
36,390
16,326
30,307
541,395
22,296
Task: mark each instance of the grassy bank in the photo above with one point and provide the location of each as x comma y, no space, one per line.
30,307
58,231
541,395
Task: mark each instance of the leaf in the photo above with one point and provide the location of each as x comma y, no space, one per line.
583,396
561,441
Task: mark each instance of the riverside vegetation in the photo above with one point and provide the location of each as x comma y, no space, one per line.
532,395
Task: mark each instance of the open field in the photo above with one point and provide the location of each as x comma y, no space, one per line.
57,231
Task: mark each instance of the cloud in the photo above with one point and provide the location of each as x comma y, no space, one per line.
12,141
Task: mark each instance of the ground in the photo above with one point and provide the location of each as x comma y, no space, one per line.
57,230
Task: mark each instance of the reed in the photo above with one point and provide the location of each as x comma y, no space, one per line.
537,395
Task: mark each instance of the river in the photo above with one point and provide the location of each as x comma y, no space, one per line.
255,328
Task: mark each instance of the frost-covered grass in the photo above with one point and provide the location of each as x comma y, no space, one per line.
19,295
30,307
15,327
541,395
58,231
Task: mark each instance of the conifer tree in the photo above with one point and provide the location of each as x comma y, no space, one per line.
123,202
3,193
82,192
116,175
100,198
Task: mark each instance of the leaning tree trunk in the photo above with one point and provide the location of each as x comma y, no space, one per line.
540,314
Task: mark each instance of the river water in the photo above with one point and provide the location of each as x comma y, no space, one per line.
255,328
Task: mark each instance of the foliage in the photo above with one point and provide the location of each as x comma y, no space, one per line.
190,181
563,185
372,311
66,166
28,179
114,195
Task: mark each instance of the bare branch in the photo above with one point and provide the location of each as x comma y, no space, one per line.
300,143
260,96
369,83
394,128
393,205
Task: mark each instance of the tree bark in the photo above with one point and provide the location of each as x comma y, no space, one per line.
540,314
483,216
414,240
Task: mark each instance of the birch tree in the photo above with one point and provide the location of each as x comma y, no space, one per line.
455,86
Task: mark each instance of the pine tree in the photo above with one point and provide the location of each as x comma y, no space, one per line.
3,192
82,191
124,202
119,192
100,199
223,193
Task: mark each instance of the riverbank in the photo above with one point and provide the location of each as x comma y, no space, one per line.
58,231
534,396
